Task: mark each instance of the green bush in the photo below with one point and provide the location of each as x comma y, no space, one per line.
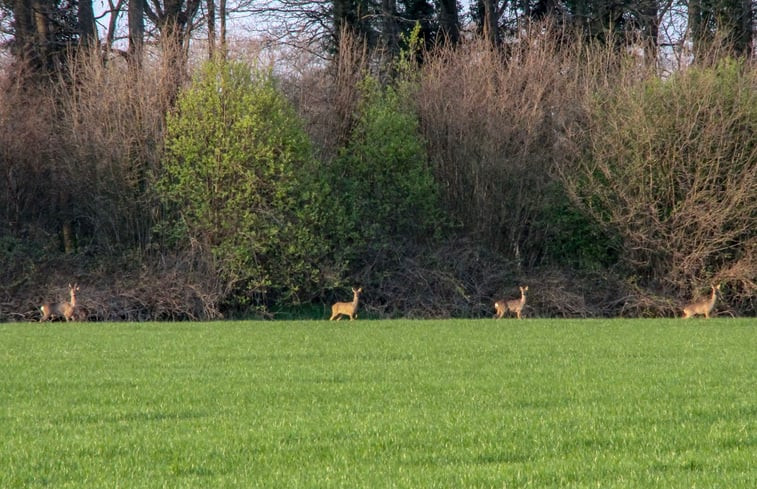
571,238
382,182
236,181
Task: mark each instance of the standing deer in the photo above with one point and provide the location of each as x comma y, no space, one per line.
346,308
60,309
514,305
703,307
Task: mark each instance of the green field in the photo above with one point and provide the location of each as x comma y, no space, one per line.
379,404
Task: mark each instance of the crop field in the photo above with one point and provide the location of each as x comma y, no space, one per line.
380,404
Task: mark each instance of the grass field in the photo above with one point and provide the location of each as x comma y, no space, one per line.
379,404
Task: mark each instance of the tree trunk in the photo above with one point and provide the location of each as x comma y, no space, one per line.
489,27
449,21
136,31
391,29
222,19
743,27
86,18
211,29
733,20
649,25
174,20
69,245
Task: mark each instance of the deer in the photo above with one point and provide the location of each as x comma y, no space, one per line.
703,307
346,308
60,309
514,305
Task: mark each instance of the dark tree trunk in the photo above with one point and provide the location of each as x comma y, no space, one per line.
136,30
86,18
211,29
449,21
391,27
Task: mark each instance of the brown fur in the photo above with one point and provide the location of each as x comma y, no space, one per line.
346,308
703,307
60,309
514,305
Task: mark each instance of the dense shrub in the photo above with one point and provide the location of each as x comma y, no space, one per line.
235,180
382,183
495,123
671,167
77,156
554,163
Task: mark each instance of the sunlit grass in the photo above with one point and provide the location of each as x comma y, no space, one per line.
480,403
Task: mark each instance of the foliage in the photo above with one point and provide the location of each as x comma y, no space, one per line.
382,181
235,177
659,173
671,166
573,239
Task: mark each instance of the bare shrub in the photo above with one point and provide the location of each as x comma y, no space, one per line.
175,287
27,148
495,128
110,126
77,160
326,94
78,155
671,165
460,277
455,278
128,288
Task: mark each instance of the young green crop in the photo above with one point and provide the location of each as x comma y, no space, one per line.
456,403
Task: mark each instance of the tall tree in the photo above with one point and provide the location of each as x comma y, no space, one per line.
488,14
732,20
449,21
648,22
222,19
136,30
542,8
211,21
353,16
86,24
44,31
419,12
174,20
391,28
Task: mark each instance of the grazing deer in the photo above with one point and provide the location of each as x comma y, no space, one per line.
703,307
60,309
346,308
515,305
